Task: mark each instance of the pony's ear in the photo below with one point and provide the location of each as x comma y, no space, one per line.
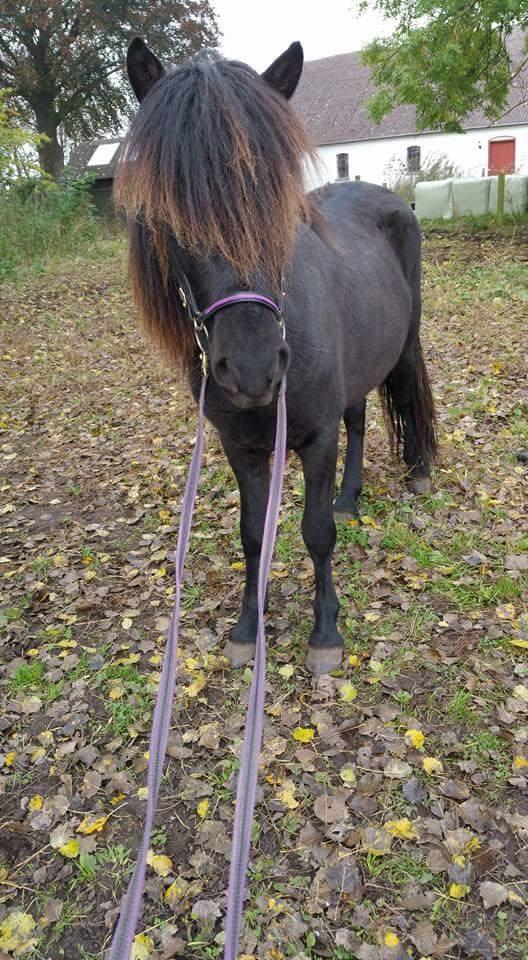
284,73
143,68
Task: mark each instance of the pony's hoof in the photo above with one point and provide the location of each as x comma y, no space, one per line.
321,660
239,654
419,485
341,516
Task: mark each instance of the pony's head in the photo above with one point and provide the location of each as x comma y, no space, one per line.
212,183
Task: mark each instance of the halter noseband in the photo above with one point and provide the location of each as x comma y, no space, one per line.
198,317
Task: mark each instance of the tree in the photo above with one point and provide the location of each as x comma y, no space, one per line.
63,59
448,57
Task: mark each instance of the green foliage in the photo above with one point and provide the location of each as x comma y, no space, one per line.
39,219
447,58
64,60
16,145
403,181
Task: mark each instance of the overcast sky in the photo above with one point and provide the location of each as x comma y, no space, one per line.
256,31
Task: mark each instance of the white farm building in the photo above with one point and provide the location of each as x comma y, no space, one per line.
332,97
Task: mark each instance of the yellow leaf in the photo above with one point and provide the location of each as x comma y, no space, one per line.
390,939
142,793
520,763
287,671
522,644
458,890
161,864
203,808
376,841
286,795
89,825
369,522
126,623
164,515
15,933
520,692
505,611
371,617
37,754
348,774
176,891
142,947
376,666
34,652
347,692
36,802
303,734
401,829
115,693
10,759
196,685
415,738
155,659
70,849
237,565
117,799
432,765
459,859
354,660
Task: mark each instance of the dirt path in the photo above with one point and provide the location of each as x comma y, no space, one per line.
393,819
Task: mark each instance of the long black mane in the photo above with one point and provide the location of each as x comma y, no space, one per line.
215,159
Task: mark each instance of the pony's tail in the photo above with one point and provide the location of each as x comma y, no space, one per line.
407,393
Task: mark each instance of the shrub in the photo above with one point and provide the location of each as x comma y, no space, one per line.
40,219
403,181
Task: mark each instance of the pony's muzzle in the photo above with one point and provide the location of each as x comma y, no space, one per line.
250,383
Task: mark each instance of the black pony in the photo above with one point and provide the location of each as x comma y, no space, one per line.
212,182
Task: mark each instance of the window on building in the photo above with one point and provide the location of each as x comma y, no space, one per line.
342,166
413,159
102,154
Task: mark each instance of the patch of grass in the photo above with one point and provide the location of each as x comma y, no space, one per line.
398,869
192,594
459,707
27,676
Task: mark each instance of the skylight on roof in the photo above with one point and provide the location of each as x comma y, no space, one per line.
102,154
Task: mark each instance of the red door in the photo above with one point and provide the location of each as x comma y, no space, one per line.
501,157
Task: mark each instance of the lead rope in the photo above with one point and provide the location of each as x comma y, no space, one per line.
247,782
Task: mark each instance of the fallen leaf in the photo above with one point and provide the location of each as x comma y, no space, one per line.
161,864
15,933
330,809
415,738
492,894
401,829
432,766
90,825
376,841
142,947
70,849
303,734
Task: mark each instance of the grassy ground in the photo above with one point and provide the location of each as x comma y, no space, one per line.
393,818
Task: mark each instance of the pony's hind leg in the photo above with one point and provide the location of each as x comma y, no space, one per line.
252,470
346,504
325,649
409,408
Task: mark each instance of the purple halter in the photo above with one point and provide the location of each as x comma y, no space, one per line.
199,317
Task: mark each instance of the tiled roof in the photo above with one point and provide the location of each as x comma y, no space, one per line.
332,95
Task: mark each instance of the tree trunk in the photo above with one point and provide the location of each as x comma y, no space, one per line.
51,154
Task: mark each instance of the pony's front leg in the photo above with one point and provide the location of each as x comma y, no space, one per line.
252,470
319,458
